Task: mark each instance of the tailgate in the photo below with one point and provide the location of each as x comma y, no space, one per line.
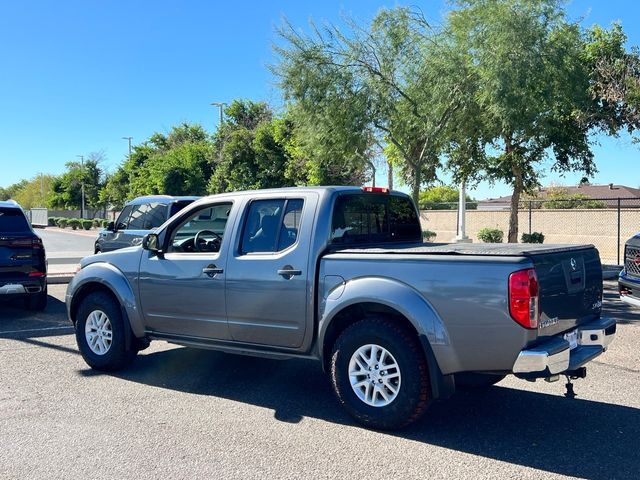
570,288
16,256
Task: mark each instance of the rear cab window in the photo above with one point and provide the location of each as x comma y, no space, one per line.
368,219
13,220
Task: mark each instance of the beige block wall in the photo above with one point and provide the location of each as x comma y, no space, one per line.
596,226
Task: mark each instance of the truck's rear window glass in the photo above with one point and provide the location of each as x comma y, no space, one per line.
13,220
369,218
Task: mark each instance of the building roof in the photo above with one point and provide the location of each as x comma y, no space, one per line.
600,192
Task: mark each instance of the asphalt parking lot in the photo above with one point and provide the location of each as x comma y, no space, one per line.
184,413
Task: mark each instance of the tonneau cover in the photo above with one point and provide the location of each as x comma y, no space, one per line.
490,249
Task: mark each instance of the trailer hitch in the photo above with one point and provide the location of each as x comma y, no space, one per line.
580,372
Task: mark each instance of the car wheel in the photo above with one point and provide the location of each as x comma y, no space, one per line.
474,381
100,333
36,301
379,374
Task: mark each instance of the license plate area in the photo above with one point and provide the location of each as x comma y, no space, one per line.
572,338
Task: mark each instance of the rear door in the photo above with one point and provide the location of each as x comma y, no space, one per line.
270,275
570,288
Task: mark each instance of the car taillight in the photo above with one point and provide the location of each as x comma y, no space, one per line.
375,189
37,274
524,297
36,243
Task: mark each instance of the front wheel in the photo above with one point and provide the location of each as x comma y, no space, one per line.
100,333
379,374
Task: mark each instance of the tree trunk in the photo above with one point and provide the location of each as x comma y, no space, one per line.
390,174
515,201
415,191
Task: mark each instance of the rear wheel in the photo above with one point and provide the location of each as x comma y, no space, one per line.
36,301
379,374
471,380
101,335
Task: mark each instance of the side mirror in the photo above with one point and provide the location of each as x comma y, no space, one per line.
110,227
151,242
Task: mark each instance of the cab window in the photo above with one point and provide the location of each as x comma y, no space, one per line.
123,219
271,225
202,230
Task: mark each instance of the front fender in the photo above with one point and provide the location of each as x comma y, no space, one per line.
396,295
107,275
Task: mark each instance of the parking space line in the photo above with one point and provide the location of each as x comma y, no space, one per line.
36,330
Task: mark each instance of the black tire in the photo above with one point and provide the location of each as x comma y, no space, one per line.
36,301
118,355
413,394
475,381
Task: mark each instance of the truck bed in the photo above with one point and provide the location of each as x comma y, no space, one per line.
483,249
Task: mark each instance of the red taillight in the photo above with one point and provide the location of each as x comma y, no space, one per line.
375,189
27,242
524,297
36,243
37,274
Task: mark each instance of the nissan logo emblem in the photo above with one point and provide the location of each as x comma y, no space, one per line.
574,264
636,260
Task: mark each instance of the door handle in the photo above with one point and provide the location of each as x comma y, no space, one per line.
288,271
212,270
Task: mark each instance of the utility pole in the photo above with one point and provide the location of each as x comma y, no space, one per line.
462,208
129,139
82,176
220,105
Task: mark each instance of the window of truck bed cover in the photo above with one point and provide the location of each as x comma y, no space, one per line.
372,219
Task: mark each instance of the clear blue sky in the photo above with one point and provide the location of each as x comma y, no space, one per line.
76,76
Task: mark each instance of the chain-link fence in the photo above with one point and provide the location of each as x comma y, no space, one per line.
604,222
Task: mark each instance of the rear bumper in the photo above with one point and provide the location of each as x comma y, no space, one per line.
22,287
556,355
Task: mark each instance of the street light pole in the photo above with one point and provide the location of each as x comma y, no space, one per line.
82,176
129,139
220,105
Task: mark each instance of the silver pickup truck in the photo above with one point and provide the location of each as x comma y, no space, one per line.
340,274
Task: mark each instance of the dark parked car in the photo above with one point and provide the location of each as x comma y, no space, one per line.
629,282
139,217
23,264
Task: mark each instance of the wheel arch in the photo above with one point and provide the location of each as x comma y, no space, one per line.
102,277
365,297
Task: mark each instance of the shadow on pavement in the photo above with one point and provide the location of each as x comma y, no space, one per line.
613,307
17,322
570,437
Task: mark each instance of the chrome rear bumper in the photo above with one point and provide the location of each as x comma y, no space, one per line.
12,289
556,355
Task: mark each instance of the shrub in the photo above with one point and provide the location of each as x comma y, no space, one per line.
74,223
105,223
62,222
535,237
428,235
97,222
491,235
51,221
87,224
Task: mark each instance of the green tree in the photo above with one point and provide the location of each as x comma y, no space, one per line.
34,192
251,149
540,89
443,197
377,85
177,163
67,188
8,193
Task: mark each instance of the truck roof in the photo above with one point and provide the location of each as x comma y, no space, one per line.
285,190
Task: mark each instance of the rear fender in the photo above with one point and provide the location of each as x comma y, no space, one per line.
110,277
396,295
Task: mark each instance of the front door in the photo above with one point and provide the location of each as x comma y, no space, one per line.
269,275
182,291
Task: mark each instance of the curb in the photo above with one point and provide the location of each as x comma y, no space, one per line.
59,278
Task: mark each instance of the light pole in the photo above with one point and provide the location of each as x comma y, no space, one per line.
129,139
82,177
220,105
